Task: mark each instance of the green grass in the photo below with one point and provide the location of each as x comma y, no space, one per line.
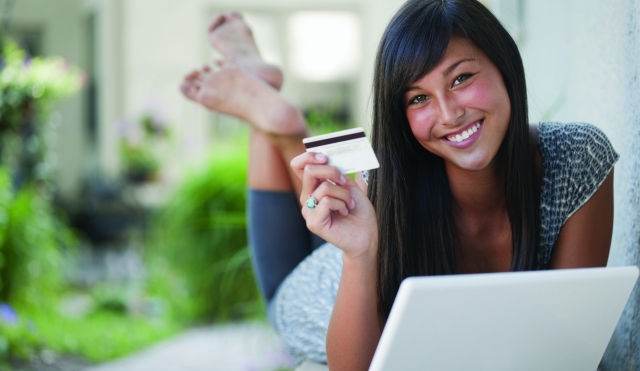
197,252
100,336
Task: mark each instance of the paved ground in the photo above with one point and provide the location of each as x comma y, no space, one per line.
237,347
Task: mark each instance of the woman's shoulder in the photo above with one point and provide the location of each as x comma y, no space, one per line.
577,146
575,136
575,149
576,159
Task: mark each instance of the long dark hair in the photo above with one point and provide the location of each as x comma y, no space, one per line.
410,190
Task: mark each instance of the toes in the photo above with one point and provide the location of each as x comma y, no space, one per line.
192,75
234,15
217,21
189,90
224,63
221,18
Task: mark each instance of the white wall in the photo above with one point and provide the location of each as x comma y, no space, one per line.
163,39
581,59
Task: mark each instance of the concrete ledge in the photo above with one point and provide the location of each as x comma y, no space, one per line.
311,366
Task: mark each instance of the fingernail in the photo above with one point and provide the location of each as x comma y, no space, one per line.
352,204
343,180
344,212
321,157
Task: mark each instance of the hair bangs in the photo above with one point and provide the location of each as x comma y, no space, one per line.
416,42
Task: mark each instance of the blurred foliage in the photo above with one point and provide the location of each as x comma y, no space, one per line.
101,335
31,237
197,253
31,234
139,146
28,89
139,162
323,121
43,79
18,338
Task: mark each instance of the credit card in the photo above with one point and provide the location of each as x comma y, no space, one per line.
348,150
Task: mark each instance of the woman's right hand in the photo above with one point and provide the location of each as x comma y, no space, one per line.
343,215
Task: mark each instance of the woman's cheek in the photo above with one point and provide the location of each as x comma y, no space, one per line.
485,94
420,122
478,96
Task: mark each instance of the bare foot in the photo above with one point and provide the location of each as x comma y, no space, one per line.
234,91
229,34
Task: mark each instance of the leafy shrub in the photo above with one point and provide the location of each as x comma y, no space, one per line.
324,121
18,338
30,265
197,253
28,89
30,240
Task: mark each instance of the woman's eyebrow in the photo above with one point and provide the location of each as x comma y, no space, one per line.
407,89
453,66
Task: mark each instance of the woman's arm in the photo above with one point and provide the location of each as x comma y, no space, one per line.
354,330
345,217
585,238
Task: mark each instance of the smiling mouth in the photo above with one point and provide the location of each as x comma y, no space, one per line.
464,135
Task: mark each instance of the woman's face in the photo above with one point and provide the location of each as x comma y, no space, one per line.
460,110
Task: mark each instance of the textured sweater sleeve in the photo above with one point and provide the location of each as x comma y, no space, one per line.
577,159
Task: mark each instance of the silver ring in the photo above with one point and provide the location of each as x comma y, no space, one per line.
312,202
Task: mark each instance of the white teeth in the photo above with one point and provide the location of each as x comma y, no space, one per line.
465,134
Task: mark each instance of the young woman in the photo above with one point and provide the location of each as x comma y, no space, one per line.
465,184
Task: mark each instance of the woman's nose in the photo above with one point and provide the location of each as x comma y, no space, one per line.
450,110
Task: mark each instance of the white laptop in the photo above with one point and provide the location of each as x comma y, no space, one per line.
544,320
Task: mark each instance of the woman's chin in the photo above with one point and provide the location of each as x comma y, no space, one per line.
471,164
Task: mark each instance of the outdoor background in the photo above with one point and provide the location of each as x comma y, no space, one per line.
122,203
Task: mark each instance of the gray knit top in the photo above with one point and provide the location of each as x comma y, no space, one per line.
576,159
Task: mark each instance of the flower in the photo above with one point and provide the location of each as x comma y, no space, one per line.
7,314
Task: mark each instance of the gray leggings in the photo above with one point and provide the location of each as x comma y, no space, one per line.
278,237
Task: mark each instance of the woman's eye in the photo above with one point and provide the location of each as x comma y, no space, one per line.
418,99
462,78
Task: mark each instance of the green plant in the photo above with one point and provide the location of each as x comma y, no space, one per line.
138,146
38,80
324,121
31,236
197,252
140,163
18,338
28,89
30,263
101,335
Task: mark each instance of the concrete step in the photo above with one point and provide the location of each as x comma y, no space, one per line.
250,346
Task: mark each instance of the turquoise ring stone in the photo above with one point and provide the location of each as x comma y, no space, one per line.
312,202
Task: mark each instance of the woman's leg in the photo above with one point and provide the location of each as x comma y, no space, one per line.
304,286
279,238
278,234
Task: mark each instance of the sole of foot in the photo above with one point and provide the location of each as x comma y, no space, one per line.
237,92
229,34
